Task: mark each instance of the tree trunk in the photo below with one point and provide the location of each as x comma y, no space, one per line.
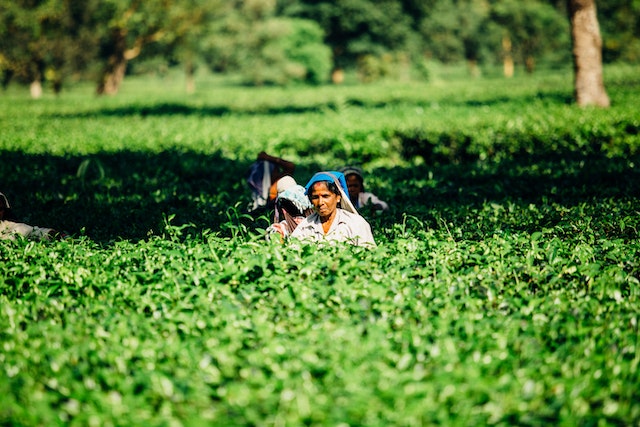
112,78
530,64
116,65
57,86
35,88
507,61
337,76
587,54
474,70
190,77
7,75
36,72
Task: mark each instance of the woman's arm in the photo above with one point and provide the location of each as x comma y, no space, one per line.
286,166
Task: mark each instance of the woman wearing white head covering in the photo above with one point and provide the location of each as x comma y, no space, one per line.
292,206
10,229
335,218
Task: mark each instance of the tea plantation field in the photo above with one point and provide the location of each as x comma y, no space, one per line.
504,290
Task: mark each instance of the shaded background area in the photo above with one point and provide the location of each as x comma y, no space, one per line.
125,195
132,195
461,158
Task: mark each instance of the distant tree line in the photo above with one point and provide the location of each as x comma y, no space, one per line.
284,41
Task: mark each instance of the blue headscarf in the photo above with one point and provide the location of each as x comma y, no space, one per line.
339,179
331,176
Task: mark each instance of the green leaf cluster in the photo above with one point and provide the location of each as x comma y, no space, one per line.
503,291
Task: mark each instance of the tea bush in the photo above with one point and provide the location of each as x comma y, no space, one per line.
504,288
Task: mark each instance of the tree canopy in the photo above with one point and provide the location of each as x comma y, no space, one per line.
286,41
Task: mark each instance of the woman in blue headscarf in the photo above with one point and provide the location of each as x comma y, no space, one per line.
334,217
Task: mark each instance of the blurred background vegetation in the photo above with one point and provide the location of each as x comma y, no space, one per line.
48,44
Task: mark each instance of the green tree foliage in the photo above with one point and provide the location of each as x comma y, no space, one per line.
265,49
123,30
55,38
304,46
282,51
127,28
524,28
355,28
450,30
620,25
619,22
40,40
185,40
273,41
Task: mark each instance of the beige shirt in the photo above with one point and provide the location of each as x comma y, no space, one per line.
346,227
9,230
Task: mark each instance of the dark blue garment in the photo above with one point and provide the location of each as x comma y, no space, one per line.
254,178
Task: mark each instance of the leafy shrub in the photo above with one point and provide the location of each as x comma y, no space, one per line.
504,288
288,51
305,46
559,133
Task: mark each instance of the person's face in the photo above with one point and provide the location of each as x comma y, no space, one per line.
354,185
324,201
